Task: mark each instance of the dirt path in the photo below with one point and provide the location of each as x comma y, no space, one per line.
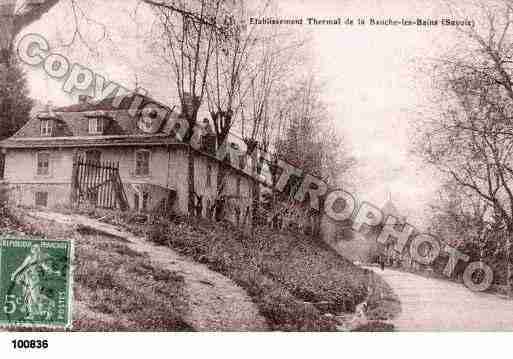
436,305
217,303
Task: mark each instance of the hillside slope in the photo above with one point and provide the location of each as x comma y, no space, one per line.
279,281
298,282
132,284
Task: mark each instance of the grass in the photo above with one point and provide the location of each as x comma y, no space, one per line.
298,282
115,287
375,326
124,284
383,304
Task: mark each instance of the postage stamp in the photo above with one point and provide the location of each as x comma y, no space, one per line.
35,282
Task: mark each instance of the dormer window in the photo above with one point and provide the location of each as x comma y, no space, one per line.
46,127
96,125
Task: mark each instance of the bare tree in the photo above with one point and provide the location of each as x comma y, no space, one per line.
304,139
245,72
29,11
470,136
189,44
15,16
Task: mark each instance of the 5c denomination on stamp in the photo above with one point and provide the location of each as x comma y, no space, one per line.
35,282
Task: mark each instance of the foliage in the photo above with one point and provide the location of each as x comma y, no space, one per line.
15,105
468,137
309,141
292,278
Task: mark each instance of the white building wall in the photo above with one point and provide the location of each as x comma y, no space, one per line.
168,169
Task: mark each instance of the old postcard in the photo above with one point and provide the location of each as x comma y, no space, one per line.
255,166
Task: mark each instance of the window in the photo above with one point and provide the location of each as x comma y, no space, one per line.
43,164
41,199
145,201
142,201
46,127
209,210
142,163
209,174
136,201
238,187
95,125
2,165
93,156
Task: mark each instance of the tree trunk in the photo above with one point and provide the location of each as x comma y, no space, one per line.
220,206
191,207
255,199
508,265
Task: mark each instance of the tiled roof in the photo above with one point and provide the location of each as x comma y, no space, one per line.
96,141
108,104
71,127
122,129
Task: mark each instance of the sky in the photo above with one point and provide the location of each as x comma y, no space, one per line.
370,74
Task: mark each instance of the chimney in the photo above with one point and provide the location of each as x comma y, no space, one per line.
49,109
190,104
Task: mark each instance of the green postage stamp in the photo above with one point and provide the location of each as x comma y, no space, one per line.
35,282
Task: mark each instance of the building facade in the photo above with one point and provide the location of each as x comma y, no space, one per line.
153,163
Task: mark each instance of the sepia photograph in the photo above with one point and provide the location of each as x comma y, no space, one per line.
236,166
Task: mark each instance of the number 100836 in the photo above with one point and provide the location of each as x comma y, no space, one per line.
30,343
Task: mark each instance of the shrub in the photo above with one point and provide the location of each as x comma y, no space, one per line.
293,279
